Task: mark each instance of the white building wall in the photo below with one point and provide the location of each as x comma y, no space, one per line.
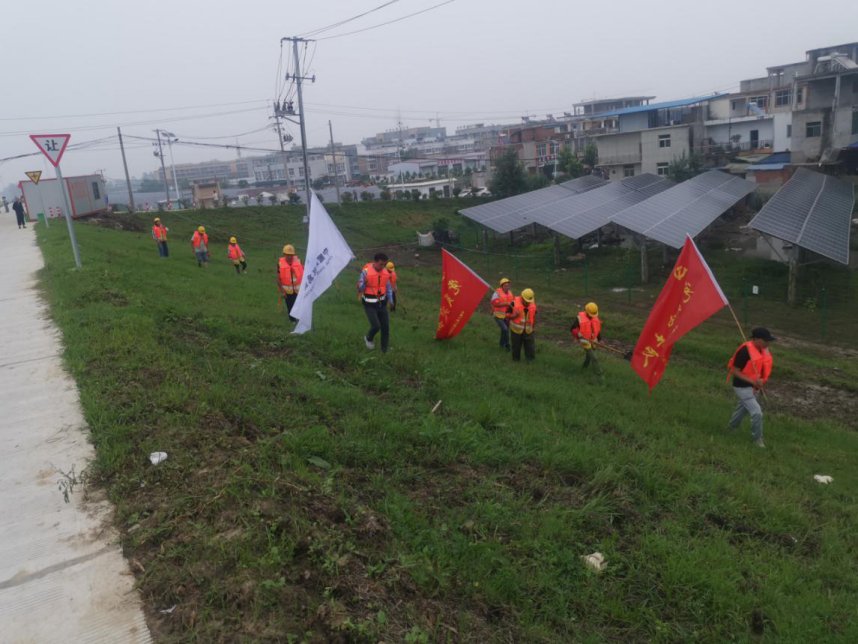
652,152
619,149
781,126
721,132
634,122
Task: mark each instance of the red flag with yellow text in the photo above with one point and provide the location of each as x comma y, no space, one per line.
689,297
461,292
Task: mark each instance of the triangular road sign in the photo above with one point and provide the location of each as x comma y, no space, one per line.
34,176
52,145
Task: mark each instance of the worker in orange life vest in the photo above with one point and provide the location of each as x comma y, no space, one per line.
159,234
393,293
522,323
373,287
200,242
290,272
587,331
501,303
235,253
751,367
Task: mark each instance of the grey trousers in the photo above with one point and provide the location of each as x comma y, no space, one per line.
748,405
503,325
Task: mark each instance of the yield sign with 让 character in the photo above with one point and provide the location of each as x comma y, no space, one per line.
34,176
52,145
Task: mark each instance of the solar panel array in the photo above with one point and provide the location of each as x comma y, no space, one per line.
812,211
511,213
686,208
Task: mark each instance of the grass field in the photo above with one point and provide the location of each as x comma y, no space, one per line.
310,495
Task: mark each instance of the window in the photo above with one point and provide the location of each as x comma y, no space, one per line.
783,97
738,104
813,128
96,193
541,150
761,101
629,170
664,140
854,121
799,95
789,130
661,169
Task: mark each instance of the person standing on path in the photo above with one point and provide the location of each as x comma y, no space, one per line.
522,323
373,286
235,253
159,234
200,242
290,272
751,367
502,300
18,207
5,203
587,330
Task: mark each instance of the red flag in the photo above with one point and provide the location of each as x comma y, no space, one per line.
690,296
461,292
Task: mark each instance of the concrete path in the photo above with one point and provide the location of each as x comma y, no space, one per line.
62,574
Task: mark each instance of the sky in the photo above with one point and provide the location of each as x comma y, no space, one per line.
208,71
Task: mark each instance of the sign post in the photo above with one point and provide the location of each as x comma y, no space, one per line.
35,176
53,146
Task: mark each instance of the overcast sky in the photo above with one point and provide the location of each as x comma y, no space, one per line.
209,69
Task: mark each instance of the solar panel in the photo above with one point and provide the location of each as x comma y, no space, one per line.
813,211
584,213
685,209
508,214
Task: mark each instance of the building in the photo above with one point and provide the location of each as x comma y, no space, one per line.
87,195
602,105
413,168
206,194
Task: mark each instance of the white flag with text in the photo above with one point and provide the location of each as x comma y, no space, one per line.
327,255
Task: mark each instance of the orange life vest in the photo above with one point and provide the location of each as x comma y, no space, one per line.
290,275
199,238
375,288
392,278
234,252
589,328
500,304
759,366
522,320
159,232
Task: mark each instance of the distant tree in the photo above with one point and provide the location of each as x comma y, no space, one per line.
294,198
318,184
415,194
536,181
272,199
683,168
569,164
366,195
259,199
385,195
457,191
400,195
347,197
591,156
509,178
245,199
151,185
242,183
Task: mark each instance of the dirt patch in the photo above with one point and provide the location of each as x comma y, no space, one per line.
117,222
813,401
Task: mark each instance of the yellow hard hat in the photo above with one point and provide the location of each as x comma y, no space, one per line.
201,229
288,249
157,219
504,280
591,308
390,266
527,295
233,240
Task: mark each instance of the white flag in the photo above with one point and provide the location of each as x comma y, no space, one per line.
327,254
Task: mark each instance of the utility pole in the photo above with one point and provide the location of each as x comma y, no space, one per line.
127,177
334,155
171,139
280,110
299,79
160,155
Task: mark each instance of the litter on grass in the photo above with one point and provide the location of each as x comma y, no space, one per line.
157,457
822,478
595,561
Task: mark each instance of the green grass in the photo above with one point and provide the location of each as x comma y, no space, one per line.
310,493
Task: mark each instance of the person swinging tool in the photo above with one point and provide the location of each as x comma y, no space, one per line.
587,331
235,253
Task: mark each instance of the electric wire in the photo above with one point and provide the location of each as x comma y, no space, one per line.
389,22
314,32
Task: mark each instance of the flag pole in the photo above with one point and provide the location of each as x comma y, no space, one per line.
745,339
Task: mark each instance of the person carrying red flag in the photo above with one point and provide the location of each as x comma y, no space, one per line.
373,286
587,330
751,367
290,272
522,323
501,303
462,290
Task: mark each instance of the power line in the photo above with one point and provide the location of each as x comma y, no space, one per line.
389,22
151,111
347,20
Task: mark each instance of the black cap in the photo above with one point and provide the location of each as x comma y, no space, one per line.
762,333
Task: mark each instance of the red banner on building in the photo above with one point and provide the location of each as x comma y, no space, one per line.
461,292
689,297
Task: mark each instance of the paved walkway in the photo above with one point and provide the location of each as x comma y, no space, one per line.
62,574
